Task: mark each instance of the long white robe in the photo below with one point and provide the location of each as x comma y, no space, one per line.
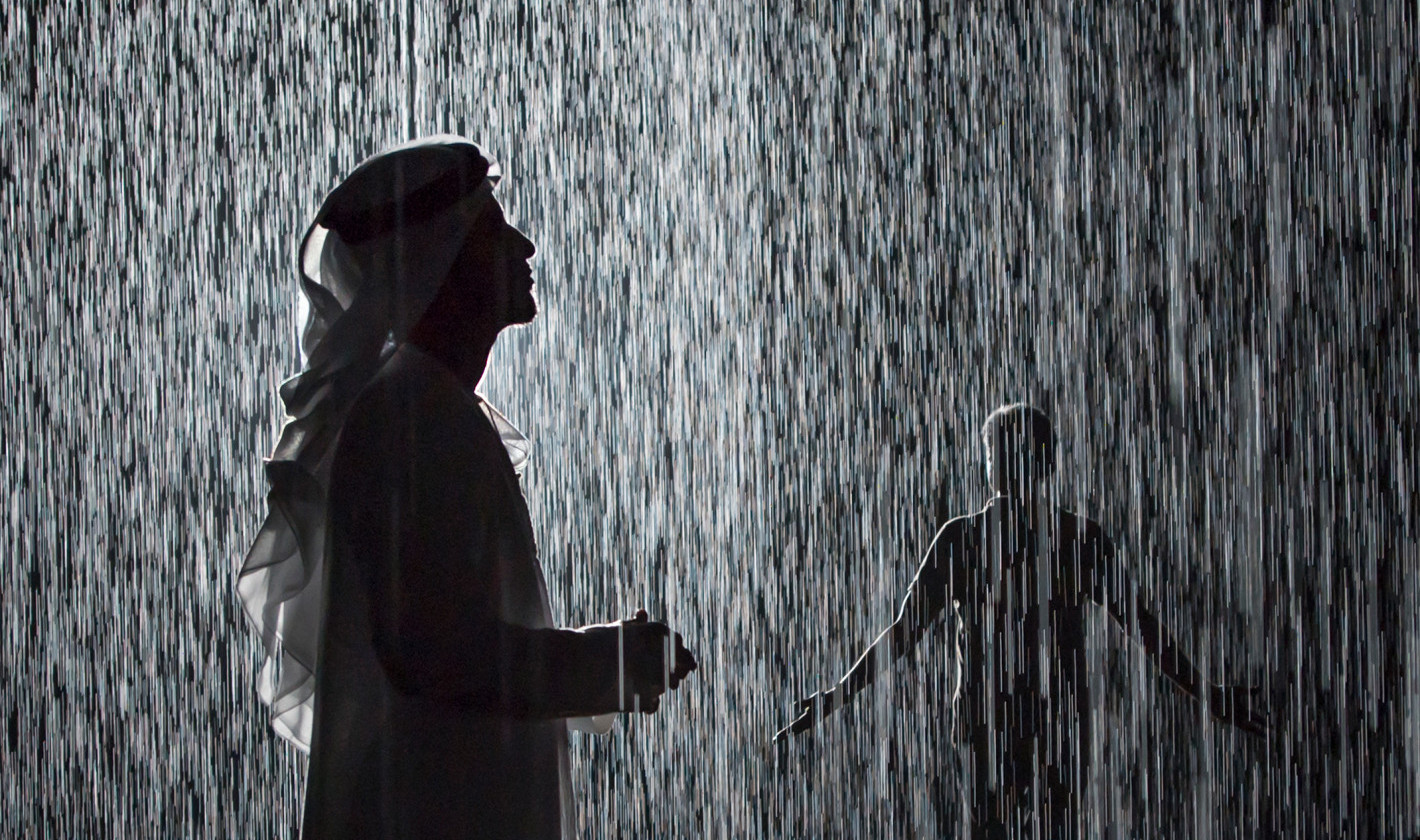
443,687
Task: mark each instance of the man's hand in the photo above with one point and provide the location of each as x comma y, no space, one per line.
1241,706
650,664
812,709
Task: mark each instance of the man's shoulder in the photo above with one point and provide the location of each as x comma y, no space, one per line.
1085,540
959,533
1083,528
952,554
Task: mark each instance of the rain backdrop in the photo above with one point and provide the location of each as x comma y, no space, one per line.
790,256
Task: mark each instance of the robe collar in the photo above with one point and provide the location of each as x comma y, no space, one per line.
512,438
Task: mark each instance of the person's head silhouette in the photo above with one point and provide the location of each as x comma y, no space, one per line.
418,232
1020,449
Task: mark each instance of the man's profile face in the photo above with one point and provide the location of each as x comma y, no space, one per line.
492,275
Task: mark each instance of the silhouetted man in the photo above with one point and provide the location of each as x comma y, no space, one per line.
1020,573
397,579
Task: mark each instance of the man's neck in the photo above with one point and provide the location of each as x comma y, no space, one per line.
466,356
1036,504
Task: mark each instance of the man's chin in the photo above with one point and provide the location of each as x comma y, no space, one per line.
523,315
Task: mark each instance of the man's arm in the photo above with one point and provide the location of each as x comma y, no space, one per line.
927,597
1160,645
431,539
1127,606
1113,588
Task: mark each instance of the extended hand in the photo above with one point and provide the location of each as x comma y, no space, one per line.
651,664
811,710
1242,706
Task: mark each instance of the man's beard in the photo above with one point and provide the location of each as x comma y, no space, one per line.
522,310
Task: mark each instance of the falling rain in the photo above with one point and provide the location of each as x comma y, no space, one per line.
790,257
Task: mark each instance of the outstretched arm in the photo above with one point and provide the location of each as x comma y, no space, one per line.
1160,646
1236,705
926,599
924,602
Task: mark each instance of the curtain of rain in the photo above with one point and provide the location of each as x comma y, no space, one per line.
790,256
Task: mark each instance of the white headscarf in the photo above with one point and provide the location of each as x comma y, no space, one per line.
372,260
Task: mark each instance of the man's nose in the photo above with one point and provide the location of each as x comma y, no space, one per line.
525,246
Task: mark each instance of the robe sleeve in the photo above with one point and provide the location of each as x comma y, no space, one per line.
426,514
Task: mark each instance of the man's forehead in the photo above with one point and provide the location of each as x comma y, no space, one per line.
490,215
497,211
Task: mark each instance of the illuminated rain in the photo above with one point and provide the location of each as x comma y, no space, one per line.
791,254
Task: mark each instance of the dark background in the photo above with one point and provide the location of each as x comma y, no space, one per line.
791,256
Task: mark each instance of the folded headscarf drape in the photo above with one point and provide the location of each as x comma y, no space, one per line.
370,263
